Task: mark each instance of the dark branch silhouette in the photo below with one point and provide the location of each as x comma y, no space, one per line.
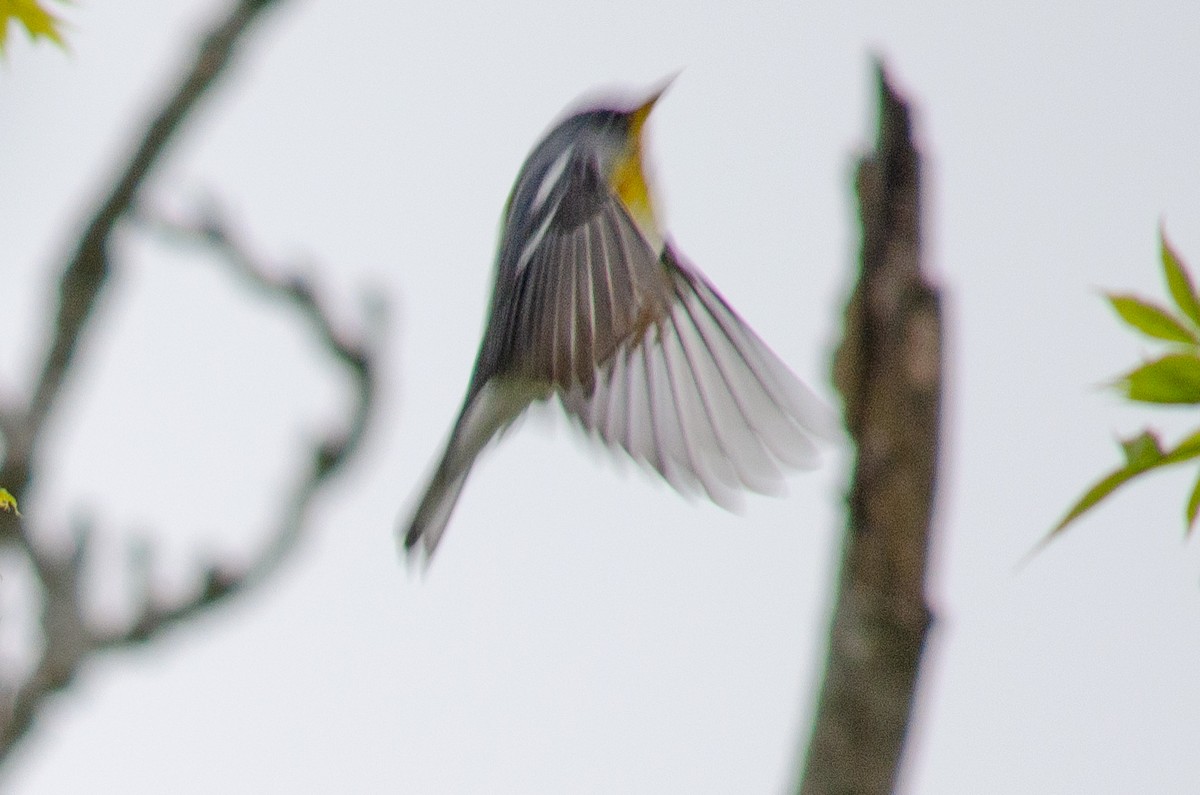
87,269
69,637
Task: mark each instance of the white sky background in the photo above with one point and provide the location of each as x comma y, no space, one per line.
584,629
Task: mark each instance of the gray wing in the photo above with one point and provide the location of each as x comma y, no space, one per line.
642,350
698,396
583,284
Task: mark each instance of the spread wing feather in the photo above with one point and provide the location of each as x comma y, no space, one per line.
700,398
586,290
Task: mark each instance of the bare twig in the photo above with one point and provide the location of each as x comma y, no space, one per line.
68,637
327,457
86,271
889,371
65,637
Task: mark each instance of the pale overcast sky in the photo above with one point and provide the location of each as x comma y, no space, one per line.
583,628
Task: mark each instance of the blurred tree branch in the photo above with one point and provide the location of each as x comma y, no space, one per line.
889,371
69,638
87,270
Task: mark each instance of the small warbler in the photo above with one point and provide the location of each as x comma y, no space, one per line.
593,305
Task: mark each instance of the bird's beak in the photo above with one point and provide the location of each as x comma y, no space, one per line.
642,112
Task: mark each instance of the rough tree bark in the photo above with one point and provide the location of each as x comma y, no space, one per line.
889,371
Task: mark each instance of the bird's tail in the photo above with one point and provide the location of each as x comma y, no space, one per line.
487,411
433,513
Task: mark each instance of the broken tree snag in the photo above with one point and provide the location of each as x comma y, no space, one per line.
889,371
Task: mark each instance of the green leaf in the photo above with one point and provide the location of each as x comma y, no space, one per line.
1142,451
1186,450
1174,378
1101,489
1170,379
1193,508
8,502
37,21
1150,319
1178,281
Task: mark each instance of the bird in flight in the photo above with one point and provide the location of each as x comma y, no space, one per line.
592,304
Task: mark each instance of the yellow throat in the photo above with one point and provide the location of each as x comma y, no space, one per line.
629,178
